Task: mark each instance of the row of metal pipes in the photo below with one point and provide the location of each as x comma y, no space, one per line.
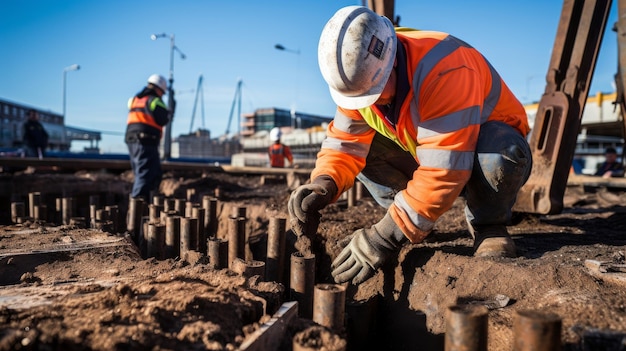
173,227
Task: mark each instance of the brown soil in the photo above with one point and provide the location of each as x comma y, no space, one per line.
66,288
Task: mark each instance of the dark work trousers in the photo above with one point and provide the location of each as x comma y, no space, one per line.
502,164
146,165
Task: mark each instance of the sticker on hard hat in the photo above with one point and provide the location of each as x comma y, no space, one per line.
376,47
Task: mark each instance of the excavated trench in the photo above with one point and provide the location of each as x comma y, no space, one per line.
223,245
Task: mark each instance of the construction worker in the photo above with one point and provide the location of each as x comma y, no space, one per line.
422,117
146,118
278,151
35,136
610,167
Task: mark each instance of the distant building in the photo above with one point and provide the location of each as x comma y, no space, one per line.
13,115
268,118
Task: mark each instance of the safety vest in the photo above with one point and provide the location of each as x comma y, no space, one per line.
278,153
445,90
141,111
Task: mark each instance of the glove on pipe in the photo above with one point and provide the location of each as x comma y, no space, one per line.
367,251
306,201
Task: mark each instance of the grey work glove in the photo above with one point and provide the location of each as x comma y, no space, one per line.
367,251
305,203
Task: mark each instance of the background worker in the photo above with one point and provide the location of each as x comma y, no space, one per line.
421,117
610,167
146,117
35,136
278,151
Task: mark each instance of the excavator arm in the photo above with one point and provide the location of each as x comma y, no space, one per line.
558,120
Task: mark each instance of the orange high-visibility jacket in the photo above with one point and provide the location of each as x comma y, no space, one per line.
141,111
446,89
278,153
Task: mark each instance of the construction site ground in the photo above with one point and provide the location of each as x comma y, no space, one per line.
69,288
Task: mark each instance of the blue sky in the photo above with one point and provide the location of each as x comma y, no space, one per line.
225,41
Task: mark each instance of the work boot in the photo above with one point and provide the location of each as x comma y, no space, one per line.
492,241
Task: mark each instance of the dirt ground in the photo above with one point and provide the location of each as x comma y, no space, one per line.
67,288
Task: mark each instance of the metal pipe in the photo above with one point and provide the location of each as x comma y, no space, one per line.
17,211
168,205
236,239
351,197
191,192
156,240
275,263
218,253
133,220
209,204
155,212
34,199
179,206
188,228
249,268
172,236
39,212
466,328
113,214
329,305
536,331
188,208
67,209
157,199
198,213
302,282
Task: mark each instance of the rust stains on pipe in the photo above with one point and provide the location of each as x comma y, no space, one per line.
536,331
329,306
275,264
302,282
466,328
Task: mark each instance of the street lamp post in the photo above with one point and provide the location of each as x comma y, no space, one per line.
167,135
293,107
73,67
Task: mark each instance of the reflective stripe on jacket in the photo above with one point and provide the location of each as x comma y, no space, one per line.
445,91
141,109
278,153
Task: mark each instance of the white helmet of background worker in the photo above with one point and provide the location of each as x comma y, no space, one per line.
158,81
275,134
356,53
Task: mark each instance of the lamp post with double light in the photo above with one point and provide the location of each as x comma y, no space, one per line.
171,104
293,107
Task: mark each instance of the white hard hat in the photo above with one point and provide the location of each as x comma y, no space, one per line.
275,134
159,81
356,53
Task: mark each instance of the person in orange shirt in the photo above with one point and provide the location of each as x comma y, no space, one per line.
278,151
422,118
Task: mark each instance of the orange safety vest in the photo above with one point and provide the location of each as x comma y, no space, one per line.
278,153
140,112
449,90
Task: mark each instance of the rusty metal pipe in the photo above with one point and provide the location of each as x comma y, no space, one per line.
156,240
188,233
17,211
236,239
249,268
536,331
209,204
218,253
302,282
329,305
34,199
466,328
133,220
172,236
179,206
67,205
275,262
198,213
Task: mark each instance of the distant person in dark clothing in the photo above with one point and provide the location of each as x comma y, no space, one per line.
146,118
35,136
610,167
